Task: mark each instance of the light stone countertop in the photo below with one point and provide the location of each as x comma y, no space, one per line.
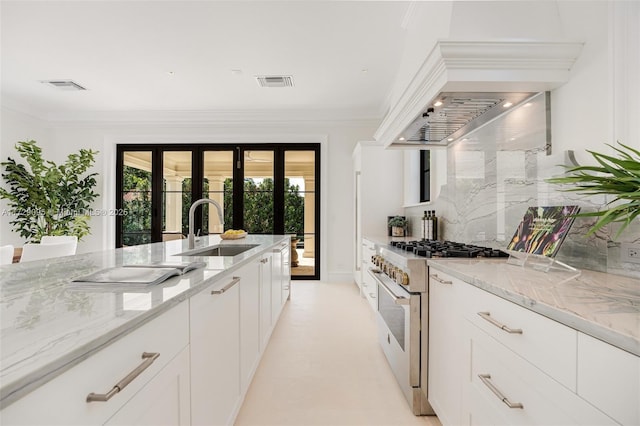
604,306
47,326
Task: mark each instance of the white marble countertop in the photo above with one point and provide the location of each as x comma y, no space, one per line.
47,326
604,306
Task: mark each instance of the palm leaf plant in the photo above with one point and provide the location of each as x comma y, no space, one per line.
618,176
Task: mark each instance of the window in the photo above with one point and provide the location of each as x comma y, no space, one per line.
425,176
279,193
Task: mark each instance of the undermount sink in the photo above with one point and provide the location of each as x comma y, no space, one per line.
219,250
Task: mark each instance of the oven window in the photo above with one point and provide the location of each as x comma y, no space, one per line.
393,316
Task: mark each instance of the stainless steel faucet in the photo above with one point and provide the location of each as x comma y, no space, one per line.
192,237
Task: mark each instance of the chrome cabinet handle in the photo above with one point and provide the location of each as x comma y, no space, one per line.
265,260
372,295
233,282
486,379
440,280
487,316
149,358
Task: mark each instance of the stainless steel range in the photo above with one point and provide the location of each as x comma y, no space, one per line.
403,309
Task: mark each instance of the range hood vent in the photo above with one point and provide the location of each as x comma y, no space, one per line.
454,114
473,80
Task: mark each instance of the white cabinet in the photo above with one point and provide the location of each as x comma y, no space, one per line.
266,288
276,286
369,287
285,275
445,348
249,321
215,353
516,392
527,333
378,194
63,400
609,378
163,401
493,362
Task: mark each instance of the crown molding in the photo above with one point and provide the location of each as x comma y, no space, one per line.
480,66
214,118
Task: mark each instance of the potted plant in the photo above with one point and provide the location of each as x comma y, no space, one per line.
618,176
397,224
46,198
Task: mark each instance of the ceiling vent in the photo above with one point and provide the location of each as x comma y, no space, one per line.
274,80
65,84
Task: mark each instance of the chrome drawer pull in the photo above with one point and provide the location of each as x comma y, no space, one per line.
487,316
486,380
440,280
149,358
233,282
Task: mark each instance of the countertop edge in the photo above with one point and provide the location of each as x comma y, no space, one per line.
598,331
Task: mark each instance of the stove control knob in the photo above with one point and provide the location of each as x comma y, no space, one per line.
402,278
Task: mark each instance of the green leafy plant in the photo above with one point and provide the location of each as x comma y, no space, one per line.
398,221
46,198
618,176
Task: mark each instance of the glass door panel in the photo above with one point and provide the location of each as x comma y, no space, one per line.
217,184
300,208
176,196
258,192
136,198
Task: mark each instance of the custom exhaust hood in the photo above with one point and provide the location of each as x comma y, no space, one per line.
464,84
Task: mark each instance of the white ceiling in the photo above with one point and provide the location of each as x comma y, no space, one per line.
122,51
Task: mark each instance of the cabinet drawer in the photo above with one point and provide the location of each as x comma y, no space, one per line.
547,344
370,287
63,399
507,378
609,378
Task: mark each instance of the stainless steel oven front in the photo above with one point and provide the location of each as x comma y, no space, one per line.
399,333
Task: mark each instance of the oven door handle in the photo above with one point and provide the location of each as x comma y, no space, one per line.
397,300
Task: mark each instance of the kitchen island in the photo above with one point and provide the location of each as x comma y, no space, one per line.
51,327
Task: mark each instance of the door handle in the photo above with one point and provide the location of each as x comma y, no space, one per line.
487,317
148,357
233,282
486,379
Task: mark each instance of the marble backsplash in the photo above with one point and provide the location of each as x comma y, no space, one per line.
497,173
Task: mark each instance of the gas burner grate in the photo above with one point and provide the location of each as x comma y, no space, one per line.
431,248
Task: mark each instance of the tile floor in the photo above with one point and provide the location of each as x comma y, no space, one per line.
323,366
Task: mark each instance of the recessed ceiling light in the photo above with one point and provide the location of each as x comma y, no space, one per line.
512,139
401,138
364,70
507,104
437,103
236,72
450,139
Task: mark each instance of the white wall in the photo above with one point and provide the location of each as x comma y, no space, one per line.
337,139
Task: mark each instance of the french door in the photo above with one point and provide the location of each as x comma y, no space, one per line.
263,189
